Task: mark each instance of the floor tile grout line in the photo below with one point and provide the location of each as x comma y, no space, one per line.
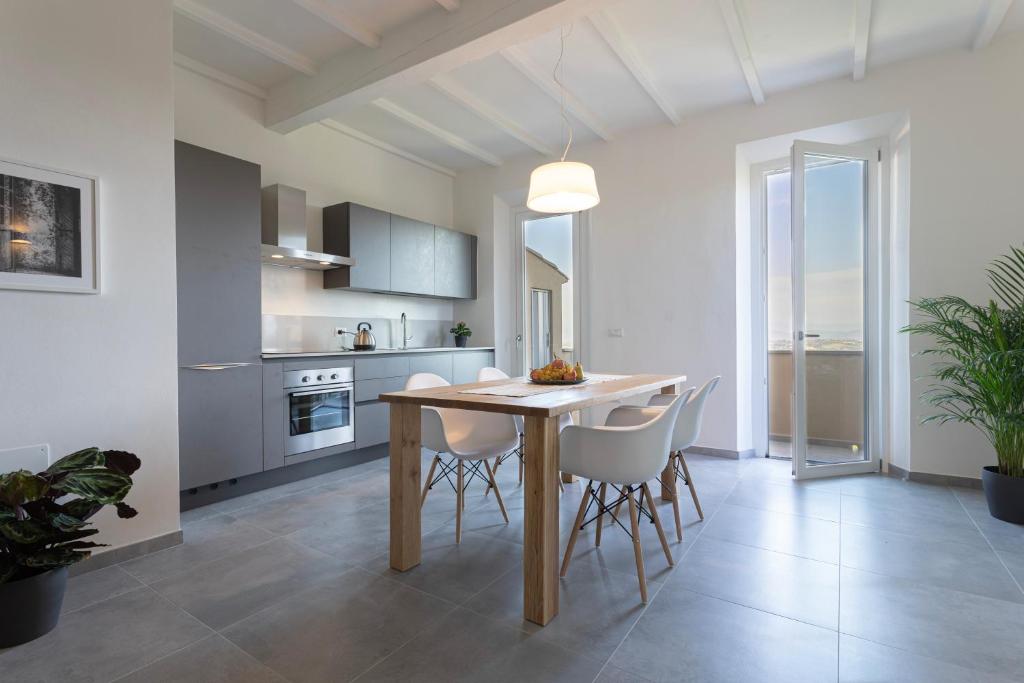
213,634
107,599
991,547
625,637
400,647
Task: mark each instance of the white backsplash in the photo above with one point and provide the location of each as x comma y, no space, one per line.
312,333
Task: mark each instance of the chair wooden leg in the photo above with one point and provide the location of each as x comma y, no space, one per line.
600,514
675,501
657,524
430,478
634,523
497,493
576,529
689,483
459,495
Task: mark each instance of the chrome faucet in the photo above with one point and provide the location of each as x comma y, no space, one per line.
406,338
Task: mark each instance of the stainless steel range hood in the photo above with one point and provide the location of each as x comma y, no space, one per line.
284,232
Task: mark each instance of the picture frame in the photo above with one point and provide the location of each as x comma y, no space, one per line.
49,229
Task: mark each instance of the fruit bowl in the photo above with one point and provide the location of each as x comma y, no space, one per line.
558,381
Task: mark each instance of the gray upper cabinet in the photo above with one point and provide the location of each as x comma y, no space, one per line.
412,256
365,235
454,264
398,255
218,256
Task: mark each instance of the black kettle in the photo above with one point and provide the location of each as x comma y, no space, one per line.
364,339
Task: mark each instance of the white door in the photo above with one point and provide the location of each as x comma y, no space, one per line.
835,298
550,257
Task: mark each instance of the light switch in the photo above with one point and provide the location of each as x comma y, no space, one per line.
616,332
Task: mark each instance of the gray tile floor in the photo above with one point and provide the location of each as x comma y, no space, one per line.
856,579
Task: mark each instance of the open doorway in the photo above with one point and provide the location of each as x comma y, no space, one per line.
548,292
820,236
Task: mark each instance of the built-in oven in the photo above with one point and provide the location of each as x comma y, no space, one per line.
320,410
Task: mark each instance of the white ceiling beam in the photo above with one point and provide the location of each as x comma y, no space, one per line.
738,34
227,79
340,20
445,136
414,52
459,93
861,31
543,79
450,5
245,36
338,127
612,33
991,19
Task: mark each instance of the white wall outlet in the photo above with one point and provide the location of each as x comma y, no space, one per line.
616,332
32,458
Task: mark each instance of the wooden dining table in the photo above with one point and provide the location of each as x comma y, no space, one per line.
540,412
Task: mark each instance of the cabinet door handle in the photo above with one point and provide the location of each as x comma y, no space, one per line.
216,366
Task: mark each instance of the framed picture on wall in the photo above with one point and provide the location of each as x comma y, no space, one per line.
48,233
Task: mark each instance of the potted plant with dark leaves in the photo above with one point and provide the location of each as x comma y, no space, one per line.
462,334
44,521
978,369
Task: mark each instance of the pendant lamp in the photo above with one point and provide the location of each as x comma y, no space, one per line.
562,186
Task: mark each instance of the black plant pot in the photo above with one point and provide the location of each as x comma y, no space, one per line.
460,341
1005,495
31,607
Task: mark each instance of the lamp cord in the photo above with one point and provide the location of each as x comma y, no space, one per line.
559,65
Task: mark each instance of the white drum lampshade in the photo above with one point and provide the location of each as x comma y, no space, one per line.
562,187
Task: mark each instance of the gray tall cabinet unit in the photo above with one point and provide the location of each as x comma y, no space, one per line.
220,375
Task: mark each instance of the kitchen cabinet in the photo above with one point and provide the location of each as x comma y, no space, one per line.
372,424
466,365
412,256
381,366
454,264
365,235
398,255
217,200
439,364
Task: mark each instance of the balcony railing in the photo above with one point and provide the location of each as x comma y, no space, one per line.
835,396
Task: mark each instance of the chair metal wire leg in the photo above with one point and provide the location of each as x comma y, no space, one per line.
675,500
657,524
689,484
634,523
429,480
497,493
576,529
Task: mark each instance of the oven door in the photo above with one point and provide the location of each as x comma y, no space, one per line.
319,417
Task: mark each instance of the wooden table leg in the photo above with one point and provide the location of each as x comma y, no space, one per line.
668,475
405,486
540,534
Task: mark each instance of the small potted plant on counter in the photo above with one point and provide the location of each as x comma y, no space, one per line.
462,334
43,521
979,368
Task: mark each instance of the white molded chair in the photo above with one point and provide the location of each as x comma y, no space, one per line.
623,458
489,374
469,437
687,430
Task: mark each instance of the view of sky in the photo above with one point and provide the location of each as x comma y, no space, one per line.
834,257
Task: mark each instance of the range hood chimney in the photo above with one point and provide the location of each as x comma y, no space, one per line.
284,232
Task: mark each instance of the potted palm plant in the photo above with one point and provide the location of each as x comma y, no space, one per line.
978,370
43,524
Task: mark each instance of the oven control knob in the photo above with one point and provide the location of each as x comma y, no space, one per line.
319,378
334,376
305,378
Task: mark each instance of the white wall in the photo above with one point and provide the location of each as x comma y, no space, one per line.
664,249
331,167
81,93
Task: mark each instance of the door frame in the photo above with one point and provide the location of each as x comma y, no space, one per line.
877,327
581,286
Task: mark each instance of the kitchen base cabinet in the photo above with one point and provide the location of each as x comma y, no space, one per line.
466,365
439,364
373,421
221,427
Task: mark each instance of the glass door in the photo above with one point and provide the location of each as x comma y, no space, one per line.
834,223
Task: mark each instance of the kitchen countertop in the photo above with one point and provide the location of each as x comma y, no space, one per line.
378,352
